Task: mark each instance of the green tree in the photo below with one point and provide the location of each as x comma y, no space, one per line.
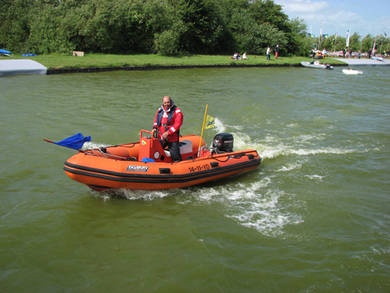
367,43
254,25
386,45
14,25
47,33
340,43
326,43
354,42
299,42
253,37
382,44
168,42
203,26
166,26
269,12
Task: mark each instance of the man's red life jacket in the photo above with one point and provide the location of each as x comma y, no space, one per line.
169,120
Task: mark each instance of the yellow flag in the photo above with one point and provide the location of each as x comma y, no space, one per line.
210,123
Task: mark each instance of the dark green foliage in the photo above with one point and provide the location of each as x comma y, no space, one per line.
367,43
168,27
168,42
14,26
354,42
298,42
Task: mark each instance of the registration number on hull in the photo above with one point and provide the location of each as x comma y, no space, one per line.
199,168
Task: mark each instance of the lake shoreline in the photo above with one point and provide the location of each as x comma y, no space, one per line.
166,67
56,64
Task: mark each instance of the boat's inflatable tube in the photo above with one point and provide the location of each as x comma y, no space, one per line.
124,166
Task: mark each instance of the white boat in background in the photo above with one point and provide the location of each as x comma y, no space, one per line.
377,58
316,65
352,71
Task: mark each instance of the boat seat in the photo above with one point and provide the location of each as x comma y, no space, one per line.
185,148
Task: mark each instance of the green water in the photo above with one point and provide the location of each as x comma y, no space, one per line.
314,217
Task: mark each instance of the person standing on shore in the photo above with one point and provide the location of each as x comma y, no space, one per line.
268,53
276,51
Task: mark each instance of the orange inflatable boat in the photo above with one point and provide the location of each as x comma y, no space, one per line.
146,165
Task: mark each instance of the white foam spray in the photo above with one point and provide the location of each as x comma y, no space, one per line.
257,205
145,195
92,145
260,204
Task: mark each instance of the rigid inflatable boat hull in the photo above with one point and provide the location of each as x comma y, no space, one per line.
158,176
145,165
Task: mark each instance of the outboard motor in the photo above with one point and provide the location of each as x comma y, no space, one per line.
222,143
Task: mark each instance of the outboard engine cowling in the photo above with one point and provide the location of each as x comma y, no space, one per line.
223,143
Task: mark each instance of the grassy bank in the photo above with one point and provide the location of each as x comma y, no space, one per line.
95,61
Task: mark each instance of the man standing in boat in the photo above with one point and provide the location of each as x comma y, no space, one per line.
167,122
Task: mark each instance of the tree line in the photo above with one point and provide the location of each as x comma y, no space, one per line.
356,43
167,27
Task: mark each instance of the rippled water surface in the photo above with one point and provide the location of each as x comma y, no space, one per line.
314,217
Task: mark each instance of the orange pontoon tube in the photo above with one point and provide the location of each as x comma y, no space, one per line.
146,165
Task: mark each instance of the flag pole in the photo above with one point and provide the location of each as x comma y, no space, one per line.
204,122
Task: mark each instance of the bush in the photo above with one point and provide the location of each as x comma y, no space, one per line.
167,43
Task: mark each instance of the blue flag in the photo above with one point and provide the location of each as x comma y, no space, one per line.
74,142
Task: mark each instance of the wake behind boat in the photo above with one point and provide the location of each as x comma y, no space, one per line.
145,165
316,65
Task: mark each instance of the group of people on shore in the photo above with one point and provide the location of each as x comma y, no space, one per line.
237,56
345,53
318,54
